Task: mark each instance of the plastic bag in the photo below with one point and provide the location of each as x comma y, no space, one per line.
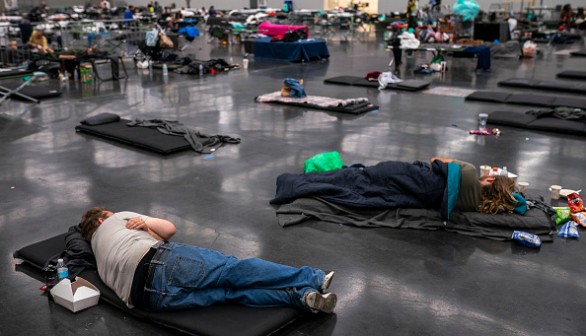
323,162
527,239
152,37
579,217
467,8
562,215
575,202
529,49
569,230
387,78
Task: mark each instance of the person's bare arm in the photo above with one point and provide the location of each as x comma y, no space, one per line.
159,229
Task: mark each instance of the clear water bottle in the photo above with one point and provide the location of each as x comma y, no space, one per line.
201,69
150,66
76,74
165,70
504,171
62,270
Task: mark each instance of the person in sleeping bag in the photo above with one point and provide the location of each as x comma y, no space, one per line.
136,260
443,184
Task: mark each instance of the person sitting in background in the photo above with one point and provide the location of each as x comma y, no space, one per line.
39,42
135,259
13,45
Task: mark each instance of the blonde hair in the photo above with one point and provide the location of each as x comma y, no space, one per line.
498,197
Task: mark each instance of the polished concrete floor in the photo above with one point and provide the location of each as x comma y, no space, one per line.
389,282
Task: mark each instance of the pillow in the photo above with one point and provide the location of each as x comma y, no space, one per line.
100,119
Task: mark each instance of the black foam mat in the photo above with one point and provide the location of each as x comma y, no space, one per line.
489,96
227,319
570,102
531,99
143,137
523,120
406,85
564,86
527,99
572,74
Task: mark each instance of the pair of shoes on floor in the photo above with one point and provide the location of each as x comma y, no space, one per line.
327,281
317,302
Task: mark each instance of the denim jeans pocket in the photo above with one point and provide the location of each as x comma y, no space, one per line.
186,272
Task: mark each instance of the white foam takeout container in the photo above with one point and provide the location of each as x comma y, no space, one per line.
77,295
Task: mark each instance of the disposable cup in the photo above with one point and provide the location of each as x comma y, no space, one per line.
522,186
555,191
245,63
482,119
485,170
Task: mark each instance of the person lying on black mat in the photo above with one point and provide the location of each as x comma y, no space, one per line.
444,184
136,260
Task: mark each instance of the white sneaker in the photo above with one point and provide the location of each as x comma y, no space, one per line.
327,281
318,302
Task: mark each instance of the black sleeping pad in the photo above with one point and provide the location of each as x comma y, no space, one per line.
227,319
523,120
489,96
143,137
572,74
564,86
406,85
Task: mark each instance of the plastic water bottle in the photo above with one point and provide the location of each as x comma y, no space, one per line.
62,270
504,171
201,69
76,74
165,70
150,66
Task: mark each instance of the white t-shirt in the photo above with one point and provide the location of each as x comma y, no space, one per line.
118,251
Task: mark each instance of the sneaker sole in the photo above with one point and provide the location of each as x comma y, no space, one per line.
324,303
327,281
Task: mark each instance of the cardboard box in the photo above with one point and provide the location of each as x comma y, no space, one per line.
77,295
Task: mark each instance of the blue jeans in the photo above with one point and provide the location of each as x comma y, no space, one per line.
186,276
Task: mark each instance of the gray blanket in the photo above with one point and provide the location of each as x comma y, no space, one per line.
497,227
201,143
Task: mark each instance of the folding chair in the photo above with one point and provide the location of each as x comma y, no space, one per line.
101,67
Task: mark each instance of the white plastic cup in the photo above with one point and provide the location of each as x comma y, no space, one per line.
522,186
485,170
482,119
555,191
245,63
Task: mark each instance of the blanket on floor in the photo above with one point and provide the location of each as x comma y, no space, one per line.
315,100
201,143
498,227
